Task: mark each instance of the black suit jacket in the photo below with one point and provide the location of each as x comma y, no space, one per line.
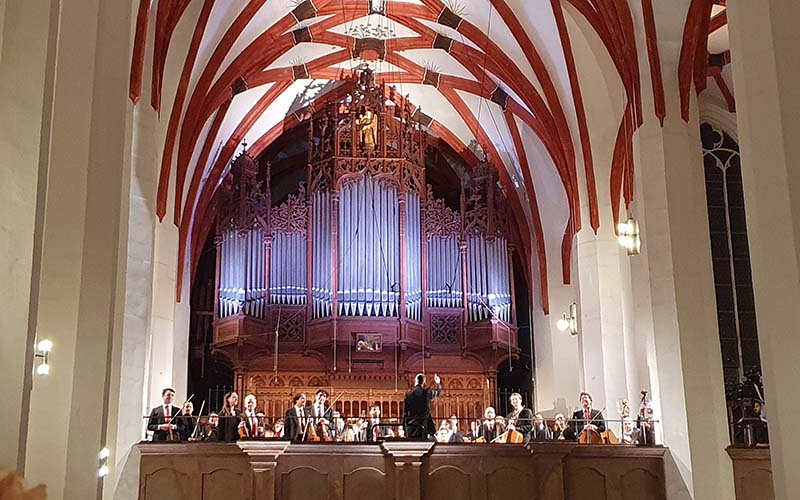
229,426
524,421
543,434
188,423
371,431
417,416
157,418
292,430
488,435
456,437
579,421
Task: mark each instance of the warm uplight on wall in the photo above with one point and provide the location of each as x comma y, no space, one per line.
569,322
42,352
629,236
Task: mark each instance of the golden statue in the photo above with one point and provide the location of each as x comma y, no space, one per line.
367,123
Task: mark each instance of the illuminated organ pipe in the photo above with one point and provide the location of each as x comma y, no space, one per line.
444,272
289,222
413,289
321,273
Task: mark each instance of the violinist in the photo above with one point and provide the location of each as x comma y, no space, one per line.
521,418
561,431
586,418
320,413
207,428
296,419
540,431
229,418
188,422
492,425
644,421
376,431
163,421
338,427
251,424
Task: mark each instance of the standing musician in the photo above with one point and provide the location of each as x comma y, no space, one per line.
187,421
251,424
321,413
296,419
417,418
229,418
338,427
587,418
376,430
163,421
521,418
644,421
492,425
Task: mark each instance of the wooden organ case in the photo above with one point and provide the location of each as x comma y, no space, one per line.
363,278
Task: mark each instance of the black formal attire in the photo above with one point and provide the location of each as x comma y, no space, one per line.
376,431
541,434
318,415
188,423
490,432
568,434
229,426
252,422
580,420
456,437
158,416
294,423
417,416
523,422
646,434
208,434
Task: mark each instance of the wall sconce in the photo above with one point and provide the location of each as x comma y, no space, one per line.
42,351
102,457
377,6
629,236
569,322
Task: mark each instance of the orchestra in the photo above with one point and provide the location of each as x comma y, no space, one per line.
318,421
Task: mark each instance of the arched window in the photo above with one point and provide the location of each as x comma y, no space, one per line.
730,252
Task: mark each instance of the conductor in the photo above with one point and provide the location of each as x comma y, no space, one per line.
417,419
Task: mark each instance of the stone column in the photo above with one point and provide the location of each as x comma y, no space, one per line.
764,46
671,208
24,52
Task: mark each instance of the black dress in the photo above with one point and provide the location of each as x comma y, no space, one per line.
229,426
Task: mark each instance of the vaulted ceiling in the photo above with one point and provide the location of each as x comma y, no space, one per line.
494,77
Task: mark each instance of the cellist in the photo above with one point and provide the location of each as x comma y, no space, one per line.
586,418
521,418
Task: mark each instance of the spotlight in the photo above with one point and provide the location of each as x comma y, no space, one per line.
629,236
102,471
104,454
45,345
43,369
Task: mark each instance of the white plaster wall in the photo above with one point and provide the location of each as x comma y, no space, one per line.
23,55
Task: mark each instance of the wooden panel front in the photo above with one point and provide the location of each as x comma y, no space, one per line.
326,471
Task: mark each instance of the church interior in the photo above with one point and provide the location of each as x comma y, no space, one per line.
407,249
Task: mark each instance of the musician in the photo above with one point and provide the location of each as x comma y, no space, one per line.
630,434
417,419
251,424
296,419
376,430
163,421
321,413
492,425
277,430
210,431
540,431
586,417
456,436
521,418
188,421
644,422
338,427
229,418
474,430
562,431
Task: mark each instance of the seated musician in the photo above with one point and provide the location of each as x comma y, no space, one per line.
163,422
586,417
474,430
540,431
630,434
338,426
296,419
492,425
188,421
520,419
457,436
210,432
562,431
277,429
251,425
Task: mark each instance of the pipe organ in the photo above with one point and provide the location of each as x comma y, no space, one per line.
363,265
